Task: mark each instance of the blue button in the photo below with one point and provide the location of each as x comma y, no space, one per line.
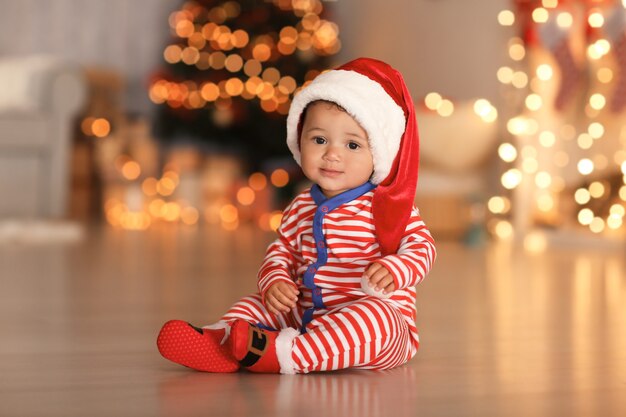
320,244
312,269
325,209
318,291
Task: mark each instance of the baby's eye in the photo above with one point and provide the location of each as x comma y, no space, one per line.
354,146
319,140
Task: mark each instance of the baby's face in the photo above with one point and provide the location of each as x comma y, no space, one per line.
335,150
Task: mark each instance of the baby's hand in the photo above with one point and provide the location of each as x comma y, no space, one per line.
281,297
379,278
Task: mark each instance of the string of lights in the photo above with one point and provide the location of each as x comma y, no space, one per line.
566,157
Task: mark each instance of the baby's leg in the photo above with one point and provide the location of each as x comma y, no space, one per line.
368,334
252,310
206,349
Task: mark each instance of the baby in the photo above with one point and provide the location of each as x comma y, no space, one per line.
337,287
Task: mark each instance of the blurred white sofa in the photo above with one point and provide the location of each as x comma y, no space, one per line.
39,98
456,153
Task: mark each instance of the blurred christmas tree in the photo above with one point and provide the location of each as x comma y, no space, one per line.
232,69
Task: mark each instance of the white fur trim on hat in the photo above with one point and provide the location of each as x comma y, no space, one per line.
366,101
284,346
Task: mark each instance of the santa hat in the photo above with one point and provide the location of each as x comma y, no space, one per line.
376,96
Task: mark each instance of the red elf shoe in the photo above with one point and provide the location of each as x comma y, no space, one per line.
196,348
261,350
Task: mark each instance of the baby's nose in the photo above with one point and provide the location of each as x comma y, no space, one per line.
332,153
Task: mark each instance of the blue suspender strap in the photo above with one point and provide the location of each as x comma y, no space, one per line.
324,206
307,317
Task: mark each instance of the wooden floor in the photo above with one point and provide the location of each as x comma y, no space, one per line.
503,332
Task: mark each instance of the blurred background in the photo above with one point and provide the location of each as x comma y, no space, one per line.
143,169
136,115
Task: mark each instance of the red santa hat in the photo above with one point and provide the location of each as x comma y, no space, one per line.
376,96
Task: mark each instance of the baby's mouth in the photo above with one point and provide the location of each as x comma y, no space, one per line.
330,172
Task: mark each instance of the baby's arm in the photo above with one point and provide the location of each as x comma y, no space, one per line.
276,277
408,266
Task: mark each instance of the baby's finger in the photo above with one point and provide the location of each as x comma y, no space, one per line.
384,282
389,288
285,299
372,269
270,306
273,310
280,302
294,290
288,291
275,304
378,276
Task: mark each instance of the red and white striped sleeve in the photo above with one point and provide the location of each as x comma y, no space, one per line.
415,257
281,258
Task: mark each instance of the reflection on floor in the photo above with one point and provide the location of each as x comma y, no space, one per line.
503,332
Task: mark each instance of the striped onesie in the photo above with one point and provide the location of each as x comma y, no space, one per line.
323,248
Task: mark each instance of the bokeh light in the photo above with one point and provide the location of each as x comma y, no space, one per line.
279,178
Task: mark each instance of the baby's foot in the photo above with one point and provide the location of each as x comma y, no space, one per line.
255,348
262,350
196,348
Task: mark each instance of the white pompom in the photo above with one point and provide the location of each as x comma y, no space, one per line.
372,291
